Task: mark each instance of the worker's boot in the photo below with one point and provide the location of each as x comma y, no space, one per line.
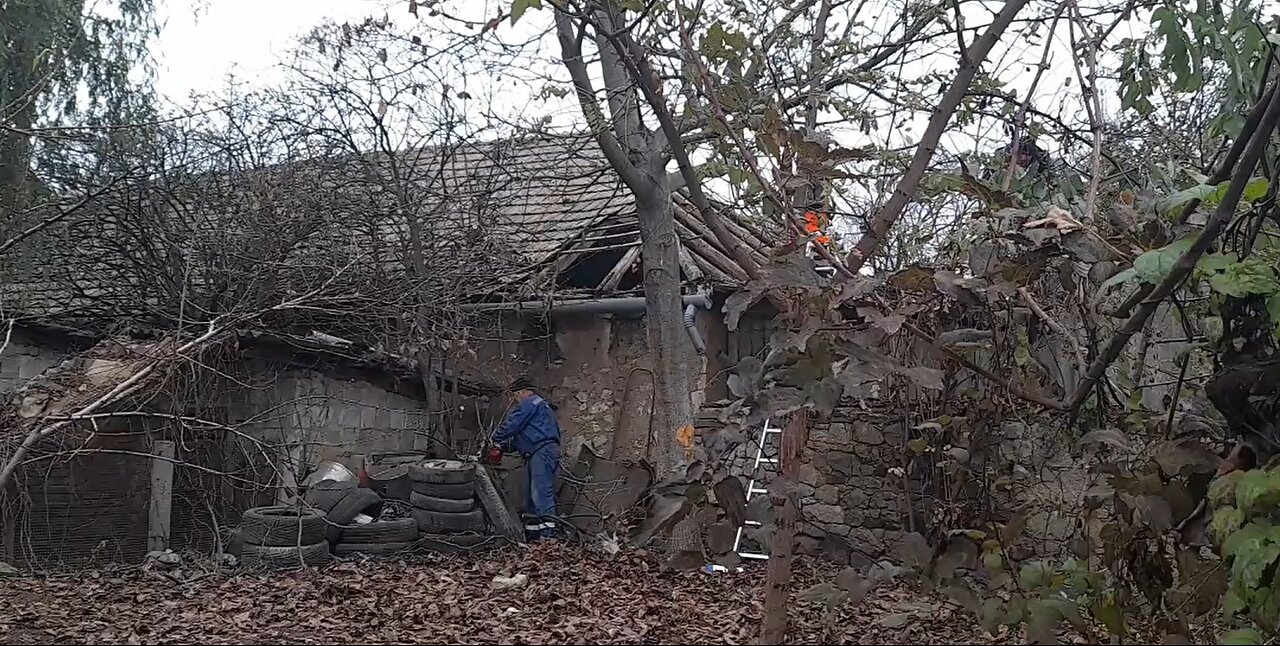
535,528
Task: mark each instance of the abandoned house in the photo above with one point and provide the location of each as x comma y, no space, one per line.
308,281
552,291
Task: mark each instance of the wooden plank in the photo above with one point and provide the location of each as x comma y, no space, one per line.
753,241
699,228
710,253
614,277
691,270
161,503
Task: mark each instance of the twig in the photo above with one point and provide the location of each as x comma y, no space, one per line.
8,334
60,215
1258,141
1020,120
888,214
1093,106
1081,363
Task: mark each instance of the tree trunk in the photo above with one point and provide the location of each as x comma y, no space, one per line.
664,327
773,627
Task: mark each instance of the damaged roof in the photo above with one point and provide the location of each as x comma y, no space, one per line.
522,218
551,203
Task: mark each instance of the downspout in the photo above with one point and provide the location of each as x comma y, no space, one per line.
690,323
626,305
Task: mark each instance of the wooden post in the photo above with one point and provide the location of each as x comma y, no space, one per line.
158,511
9,525
795,435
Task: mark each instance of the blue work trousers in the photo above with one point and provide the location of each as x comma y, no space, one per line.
543,464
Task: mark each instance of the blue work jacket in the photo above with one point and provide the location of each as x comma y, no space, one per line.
530,426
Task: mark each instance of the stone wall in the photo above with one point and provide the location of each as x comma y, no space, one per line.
861,487
583,364
850,498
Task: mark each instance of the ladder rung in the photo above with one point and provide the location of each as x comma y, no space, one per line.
753,555
757,490
760,461
751,523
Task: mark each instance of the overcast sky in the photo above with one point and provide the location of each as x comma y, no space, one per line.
199,47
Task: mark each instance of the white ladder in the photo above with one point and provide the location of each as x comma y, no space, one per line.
753,488
827,270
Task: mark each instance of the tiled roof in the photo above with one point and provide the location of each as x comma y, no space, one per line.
513,214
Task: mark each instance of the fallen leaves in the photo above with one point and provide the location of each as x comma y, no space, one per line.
570,597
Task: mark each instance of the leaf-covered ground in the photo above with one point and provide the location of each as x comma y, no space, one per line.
570,597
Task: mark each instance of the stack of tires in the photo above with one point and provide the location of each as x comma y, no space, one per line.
283,537
353,524
444,505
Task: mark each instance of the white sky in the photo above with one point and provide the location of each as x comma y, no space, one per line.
199,46
202,45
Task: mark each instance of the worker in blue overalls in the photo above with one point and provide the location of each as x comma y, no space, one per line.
531,430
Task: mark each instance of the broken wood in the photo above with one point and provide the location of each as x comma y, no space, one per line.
614,277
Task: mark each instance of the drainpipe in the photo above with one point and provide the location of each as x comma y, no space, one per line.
690,325
581,306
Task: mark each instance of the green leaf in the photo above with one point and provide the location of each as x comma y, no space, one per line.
1118,279
1256,189
1242,636
1226,521
1166,205
1211,262
1249,567
518,7
1250,537
1034,575
1111,615
1258,490
1232,603
1153,265
1222,491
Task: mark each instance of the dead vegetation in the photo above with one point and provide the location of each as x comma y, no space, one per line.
571,597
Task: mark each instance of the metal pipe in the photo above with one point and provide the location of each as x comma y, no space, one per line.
581,306
691,326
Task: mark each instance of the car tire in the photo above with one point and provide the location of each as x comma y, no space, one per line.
285,557
325,494
399,530
462,491
356,502
282,526
442,472
435,522
431,503
372,549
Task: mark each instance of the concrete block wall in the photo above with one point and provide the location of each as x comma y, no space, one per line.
316,418
25,358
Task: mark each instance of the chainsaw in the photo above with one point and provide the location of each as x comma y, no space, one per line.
490,453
